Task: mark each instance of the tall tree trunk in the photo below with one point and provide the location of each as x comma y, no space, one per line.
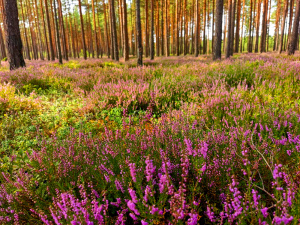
204,27
293,38
218,32
95,29
26,38
57,35
106,31
232,27
186,27
157,34
264,27
283,25
162,50
242,34
40,40
45,32
227,55
166,29
31,26
250,27
177,28
125,28
196,29
72,35
152,31
291,18
139,33
49,31
146,30
237,31
257,25
63,33
82,30
13,35
114,30
276,35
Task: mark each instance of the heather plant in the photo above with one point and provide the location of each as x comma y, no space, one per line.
182,141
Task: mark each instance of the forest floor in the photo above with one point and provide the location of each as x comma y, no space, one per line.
182,140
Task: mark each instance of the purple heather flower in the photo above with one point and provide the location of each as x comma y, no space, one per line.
150,169
144,222
193,220
132,216
264,212
132,171
133,195
132,207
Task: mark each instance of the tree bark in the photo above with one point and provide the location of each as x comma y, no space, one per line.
264,27
13,36
196,29
114,30
229,29
95,29
283,25
218,30
57,35
152,31
82,31
293,38
257,25
139,33
49,31
157,34
125,28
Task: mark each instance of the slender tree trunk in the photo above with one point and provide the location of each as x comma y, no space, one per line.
49,31
237,31
139,33
152,31
106,31
218,33
186,26
232,27
13,35
257,25
276,35
166,30
157,34
291,18
114,30
264,27
72,35
229,29
26,38
177,28
36,15
242,34
250,27
95,29
125,28
196,29
57,34
162,29
45,32
293,38
283,25
82,31
146,30
204,28
63,33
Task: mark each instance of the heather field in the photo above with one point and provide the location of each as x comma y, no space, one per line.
181,140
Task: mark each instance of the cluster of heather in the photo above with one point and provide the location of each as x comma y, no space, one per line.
178,141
